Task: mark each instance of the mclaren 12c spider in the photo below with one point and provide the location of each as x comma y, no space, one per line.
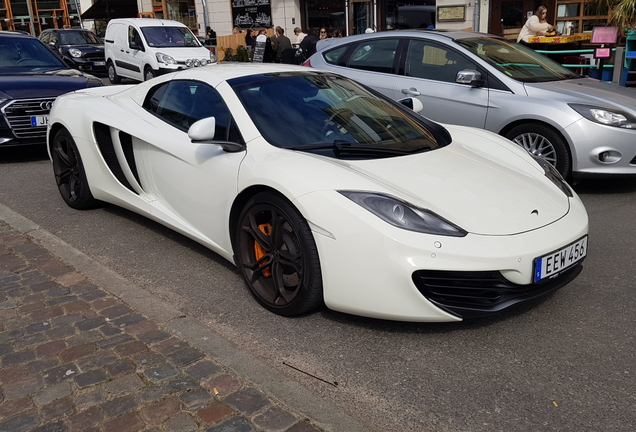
323,191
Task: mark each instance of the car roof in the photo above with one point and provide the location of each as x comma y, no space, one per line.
429,33
15,33
149,22
223,72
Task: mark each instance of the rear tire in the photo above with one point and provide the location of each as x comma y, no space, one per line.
543,142
112,73
70,175
277,255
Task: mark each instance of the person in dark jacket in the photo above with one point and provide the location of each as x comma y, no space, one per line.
281,43
308,45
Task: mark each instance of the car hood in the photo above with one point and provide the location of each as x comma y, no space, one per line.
48,84
584,90
473,183
183,53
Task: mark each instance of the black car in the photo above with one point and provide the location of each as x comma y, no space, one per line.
81,49
31,77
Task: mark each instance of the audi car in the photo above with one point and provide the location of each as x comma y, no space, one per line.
31,77
321,190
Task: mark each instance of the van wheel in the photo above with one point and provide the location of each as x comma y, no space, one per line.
112,74
148,73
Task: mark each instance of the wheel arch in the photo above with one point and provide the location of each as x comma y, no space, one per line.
565,139
55,128
240,201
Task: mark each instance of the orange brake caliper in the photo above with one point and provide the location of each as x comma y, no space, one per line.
258,249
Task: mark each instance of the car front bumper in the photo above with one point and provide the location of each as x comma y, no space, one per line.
368,266
602,150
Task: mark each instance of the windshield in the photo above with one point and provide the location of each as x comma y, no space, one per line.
516,60
318,112
78,38
170,37
26,55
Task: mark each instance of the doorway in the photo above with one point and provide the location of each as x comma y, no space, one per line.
361,16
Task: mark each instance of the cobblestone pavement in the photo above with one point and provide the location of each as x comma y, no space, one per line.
75,358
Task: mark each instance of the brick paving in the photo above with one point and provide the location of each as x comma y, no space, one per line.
75,358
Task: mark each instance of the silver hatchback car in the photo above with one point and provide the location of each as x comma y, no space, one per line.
582,126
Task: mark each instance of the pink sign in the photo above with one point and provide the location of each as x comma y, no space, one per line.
604,35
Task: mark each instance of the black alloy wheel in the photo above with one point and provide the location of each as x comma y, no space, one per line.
277,255
69,172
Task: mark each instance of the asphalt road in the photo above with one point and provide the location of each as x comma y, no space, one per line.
565,363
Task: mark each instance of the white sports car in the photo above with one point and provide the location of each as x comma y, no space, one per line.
321,190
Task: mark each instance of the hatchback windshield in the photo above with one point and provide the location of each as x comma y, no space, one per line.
78,38
170,37
320,113
516,61
26,55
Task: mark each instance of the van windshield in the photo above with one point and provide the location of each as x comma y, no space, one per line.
170,37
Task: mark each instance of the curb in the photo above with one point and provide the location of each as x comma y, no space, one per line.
268,380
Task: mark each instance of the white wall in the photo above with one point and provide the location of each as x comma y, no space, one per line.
484,12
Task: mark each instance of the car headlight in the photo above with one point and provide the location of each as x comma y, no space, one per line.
164,58
553,174
74,52
403,215
605,116
212,58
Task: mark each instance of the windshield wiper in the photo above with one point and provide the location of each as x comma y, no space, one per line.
345,147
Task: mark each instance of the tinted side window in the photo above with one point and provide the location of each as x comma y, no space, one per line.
434,62
375,55
183,103
333,56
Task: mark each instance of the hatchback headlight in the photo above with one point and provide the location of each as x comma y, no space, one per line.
164,58
605,116
212,58
553,174
74,52
404,215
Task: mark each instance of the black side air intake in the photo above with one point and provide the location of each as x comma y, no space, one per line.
106,148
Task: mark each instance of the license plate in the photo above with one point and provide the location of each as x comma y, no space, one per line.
39,120
99,63
557,261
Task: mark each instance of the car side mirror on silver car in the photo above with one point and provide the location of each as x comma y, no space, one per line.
470,77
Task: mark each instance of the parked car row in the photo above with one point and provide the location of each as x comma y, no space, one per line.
462,221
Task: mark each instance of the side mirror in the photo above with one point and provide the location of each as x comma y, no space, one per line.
412,103
134,45
203,131
470,77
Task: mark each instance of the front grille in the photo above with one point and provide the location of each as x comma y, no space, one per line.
97,56
18,115
475,294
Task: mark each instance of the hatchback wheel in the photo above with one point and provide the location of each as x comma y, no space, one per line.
69,172
277,255
545,143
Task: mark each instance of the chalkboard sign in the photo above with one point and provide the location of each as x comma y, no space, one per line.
259,51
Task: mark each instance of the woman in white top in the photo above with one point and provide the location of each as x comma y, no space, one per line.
535,26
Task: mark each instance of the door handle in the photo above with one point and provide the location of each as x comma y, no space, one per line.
411,92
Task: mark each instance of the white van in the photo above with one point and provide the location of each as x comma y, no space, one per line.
142,48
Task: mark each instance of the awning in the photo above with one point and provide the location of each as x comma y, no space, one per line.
109,9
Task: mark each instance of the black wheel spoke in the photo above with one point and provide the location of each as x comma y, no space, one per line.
257,267
259,236
283,295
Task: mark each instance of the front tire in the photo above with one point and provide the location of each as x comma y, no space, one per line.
543,142
277,255
69,172
149,73
112,74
